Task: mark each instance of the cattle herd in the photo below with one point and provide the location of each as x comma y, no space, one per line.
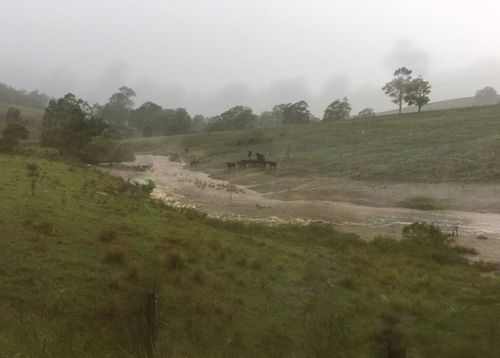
260,161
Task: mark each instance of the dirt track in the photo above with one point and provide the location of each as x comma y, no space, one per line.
181,186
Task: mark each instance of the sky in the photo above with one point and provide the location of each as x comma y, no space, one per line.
210,55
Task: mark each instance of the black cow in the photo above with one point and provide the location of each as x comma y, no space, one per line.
272,164
231,165
194,163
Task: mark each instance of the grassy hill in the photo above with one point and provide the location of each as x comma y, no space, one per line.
79,262
32,118
463,102
455,145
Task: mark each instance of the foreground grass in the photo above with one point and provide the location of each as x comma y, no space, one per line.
79,260
459,145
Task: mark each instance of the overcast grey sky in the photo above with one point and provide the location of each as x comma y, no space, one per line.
208,55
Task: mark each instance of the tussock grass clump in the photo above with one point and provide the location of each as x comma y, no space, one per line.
256,265
175,260
107,235
346,281
199,277
115,255
224,251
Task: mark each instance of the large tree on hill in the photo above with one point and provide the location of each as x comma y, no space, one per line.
486,96
239,117
117,111
272,118
68,124
296,113
418,93
338,109
145,115
173,121
398,87
366,113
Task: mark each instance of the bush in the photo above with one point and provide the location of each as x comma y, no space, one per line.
425,233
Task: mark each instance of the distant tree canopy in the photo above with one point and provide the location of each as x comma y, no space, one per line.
338,109
11,136
239,117
297,113
152,120
366,113
398,87
198,123
116,112
404,89
145,115
417,93
33,99
487,96
68,125
173,121
272,118
13,115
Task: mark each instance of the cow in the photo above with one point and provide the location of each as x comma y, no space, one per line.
242,163
231,165
194,163
272,164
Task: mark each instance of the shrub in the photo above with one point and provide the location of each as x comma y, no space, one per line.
425,233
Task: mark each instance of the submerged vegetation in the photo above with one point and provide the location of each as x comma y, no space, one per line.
90,266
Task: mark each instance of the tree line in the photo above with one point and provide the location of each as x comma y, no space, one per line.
89,132
33,99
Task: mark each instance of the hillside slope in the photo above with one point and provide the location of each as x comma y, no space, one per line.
454,103
32,119
377,161
81,260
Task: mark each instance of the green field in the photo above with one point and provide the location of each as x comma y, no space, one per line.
78,259
443,146
32,119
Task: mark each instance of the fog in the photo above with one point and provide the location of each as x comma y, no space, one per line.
207,56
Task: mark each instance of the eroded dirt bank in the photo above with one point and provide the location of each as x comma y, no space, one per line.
222,199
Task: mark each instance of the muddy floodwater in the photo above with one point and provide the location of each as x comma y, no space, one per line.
182,186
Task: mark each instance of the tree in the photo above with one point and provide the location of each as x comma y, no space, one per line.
272,118
116,112
174,121
337,110
418,93
239,117
34,176
145,115
68,125
296,113
398,87
198,123
13,115
366,113
487,96
12,134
